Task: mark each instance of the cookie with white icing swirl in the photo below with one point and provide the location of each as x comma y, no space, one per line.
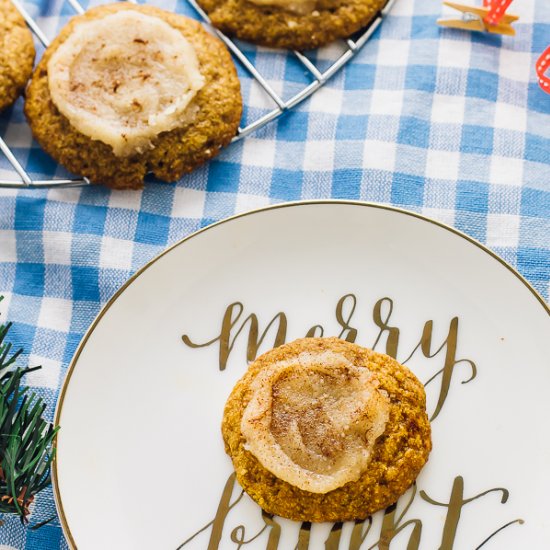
128,89
324,430
16,54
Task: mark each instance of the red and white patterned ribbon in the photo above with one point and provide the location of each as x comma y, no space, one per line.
542,66
497,9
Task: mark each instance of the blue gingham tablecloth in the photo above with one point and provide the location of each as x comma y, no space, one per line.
443,122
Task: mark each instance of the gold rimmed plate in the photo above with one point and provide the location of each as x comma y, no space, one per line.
140,461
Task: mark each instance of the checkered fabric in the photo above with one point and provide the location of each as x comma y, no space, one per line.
443,122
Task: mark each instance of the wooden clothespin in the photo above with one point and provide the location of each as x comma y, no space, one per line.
491,18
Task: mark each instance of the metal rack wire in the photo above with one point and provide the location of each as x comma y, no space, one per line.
317,79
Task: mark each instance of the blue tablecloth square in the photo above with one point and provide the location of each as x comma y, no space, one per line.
421,77
151,228
472,196
477,139
286,185
346,184
407,189
89,219
29,214
85,283
535,203
29,279
223,176
413,131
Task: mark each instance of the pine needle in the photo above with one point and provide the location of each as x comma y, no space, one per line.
26,439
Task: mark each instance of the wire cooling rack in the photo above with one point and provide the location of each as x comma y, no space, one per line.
317,78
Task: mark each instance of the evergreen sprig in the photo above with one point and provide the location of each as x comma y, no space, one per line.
26,439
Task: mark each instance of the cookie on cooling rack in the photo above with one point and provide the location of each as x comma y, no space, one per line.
129,89
324,430
16,54
293,24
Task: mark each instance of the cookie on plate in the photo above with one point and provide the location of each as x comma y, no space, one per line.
293,24
324,430
16,54
129,89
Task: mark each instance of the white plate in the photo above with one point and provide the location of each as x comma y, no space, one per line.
140,461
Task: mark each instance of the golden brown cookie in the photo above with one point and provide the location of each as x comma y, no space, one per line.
277,26
16,54
397,455
217,108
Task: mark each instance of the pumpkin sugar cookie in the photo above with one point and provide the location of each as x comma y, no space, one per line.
324,430
16,54
128,89
293,24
